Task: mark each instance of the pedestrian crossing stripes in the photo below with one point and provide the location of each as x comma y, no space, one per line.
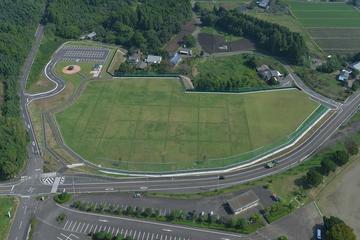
86,228
51,180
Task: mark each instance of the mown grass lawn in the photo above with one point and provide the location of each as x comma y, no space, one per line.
6,204
152,125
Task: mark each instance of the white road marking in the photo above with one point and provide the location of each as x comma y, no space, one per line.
103,220
167,230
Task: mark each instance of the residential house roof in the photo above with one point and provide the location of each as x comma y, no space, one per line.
344,75
175,59
356,66
153,59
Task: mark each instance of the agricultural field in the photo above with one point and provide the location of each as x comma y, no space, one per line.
335,27
227,4
152,125
216,43
6,204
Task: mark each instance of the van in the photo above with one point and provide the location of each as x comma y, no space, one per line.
318,234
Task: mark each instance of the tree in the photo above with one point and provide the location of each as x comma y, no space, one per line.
189,41
327,166
351,147
331,221
313,178
340,231
340,157
282,238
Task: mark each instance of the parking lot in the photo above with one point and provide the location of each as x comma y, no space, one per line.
82,53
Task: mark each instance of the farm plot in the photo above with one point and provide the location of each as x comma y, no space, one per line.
335,27
152,125
212,43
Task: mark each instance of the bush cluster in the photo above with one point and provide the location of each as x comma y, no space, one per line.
179,216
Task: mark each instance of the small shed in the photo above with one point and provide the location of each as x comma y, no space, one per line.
263,3
175,59
243,202
185,51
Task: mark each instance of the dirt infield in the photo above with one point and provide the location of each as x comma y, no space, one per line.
211,43
71,69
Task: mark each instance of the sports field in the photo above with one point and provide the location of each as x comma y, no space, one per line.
152,125
334,26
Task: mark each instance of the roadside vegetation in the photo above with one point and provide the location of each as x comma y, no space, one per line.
102,235
337,229
18,23
7,205
191,218
48,46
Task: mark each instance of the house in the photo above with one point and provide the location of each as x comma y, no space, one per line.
90,36
243,202
344,75
263,3
153,59
135,57
141,65
267,74
355,66
175,59
185,51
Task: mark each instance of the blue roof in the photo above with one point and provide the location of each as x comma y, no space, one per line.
175,59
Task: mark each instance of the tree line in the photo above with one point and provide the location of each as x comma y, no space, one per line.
144,24
18,22
271,37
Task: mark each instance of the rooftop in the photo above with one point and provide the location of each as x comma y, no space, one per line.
242,200
153,59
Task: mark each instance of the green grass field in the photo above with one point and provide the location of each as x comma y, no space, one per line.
6,204
48,46
152,125
221,69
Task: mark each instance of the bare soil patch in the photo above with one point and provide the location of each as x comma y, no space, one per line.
211,43
339,198
71,69
186,29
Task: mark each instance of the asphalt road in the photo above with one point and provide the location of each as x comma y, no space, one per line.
31,185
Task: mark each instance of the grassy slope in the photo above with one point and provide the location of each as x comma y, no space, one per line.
48,46
153,121
6,203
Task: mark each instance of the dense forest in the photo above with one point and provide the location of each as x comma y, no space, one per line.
145,24
273,38
18,22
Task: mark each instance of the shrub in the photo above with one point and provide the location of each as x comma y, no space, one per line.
327,166
62,197
340,157
313,178
351,147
